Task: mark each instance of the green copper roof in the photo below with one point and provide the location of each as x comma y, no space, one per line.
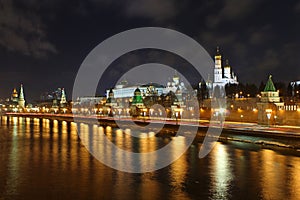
270,85
137,98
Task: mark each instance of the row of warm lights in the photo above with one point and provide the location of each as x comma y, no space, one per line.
117,110
223,110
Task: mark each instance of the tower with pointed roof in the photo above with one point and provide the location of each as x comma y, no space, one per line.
137,99
63,98
270,94
269,104
111,101
227,70
218,67
21,100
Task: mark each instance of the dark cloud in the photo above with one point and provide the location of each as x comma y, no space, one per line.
297,7
153,9
231,10
236,9
23,32
156,10
261,35
270,61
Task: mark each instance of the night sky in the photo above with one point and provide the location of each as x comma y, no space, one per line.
43,43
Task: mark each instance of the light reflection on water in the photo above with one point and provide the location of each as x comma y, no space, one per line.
221,172
49,156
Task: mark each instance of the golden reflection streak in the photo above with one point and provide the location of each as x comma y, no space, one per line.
178,169
55,144
55,126
64,127
13,162
73,151
4,120
148,184
295,178
108,153
119,157
36,125
147,145
272,175
221,172
27,128
21,128
65,159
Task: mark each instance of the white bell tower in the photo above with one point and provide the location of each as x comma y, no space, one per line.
218,67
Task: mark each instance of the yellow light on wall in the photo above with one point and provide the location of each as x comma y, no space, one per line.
269,110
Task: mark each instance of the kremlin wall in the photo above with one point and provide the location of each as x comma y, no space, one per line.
267,108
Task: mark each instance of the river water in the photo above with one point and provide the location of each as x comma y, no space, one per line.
43,159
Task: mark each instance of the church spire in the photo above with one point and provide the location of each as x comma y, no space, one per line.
227,62
270,85
63,99
21,100
218,51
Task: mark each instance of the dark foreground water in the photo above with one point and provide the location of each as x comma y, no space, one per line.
42,159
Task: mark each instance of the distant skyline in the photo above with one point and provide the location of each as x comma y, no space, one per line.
43,43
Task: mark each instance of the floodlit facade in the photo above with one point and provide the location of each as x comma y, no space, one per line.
222,75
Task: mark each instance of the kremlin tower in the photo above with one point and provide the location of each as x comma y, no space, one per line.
223,74
63,99
21,100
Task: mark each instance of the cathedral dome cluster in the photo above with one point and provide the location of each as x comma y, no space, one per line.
18,99
223,74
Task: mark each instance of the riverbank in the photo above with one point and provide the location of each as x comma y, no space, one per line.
281,136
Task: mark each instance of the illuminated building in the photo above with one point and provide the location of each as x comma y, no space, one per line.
175,85
222,75
111,101
122,90
14,96
21,100
269,103
137,99
124,94
63,99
